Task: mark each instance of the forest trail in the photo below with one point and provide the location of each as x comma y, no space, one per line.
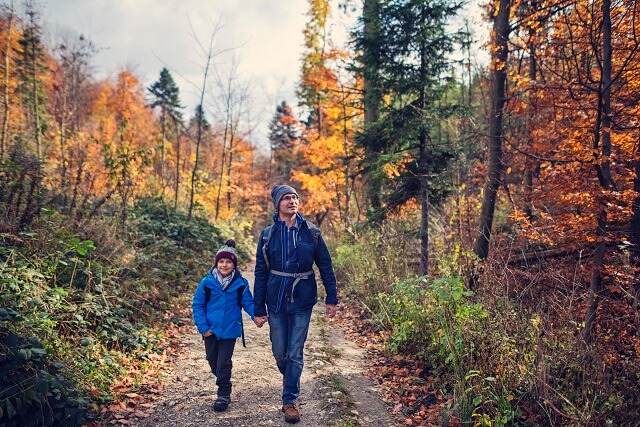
333,383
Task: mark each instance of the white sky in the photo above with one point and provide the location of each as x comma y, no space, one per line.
145,35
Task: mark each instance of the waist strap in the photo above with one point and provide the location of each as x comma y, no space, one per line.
297,276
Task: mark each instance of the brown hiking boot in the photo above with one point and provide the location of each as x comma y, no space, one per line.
291,413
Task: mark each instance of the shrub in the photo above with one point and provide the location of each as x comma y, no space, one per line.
33,391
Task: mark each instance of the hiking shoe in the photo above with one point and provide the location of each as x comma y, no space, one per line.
221,403
291,413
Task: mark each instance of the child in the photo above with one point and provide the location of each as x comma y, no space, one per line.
216,312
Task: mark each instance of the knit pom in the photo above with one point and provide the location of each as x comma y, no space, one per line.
231,243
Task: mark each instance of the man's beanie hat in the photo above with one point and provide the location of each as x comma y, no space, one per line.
279,191
228,251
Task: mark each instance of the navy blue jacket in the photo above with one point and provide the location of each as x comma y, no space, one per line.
222,315
268,288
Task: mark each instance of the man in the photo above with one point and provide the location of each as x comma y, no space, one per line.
285,288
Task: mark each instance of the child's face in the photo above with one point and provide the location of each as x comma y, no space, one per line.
225,266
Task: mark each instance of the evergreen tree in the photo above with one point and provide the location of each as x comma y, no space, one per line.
286,132
369,44
166,96
411,64
31,68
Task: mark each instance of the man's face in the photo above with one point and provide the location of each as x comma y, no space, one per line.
289,204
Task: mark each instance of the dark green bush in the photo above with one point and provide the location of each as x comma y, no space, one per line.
33,391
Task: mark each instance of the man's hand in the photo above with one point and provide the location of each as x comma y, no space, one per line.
207,334
331,310
260,320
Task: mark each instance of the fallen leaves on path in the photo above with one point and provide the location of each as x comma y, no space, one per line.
407,383
134,395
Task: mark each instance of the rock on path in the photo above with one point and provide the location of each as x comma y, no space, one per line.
333,375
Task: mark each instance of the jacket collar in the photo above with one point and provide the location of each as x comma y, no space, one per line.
299,219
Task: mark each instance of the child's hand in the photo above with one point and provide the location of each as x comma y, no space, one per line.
259,321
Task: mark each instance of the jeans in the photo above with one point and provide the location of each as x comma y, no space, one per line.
219,353
288,330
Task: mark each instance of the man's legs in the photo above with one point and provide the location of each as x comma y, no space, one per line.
288,332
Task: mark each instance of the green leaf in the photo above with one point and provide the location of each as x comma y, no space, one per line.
24,353
11,411
42,386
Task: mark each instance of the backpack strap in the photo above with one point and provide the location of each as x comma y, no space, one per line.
268,232
207,296
315,232
266,236
240,292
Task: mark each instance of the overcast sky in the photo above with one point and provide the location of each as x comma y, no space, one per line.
146,35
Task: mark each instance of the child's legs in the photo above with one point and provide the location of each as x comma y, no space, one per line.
211,350
224,365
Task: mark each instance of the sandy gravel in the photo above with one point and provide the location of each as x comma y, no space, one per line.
333,375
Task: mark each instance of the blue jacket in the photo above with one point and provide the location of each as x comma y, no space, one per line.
269,288
222,315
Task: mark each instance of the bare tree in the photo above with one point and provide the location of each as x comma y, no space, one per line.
231,102
208,54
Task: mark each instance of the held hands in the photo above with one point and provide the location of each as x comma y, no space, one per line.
260,320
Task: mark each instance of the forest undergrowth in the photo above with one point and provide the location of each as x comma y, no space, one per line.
507,352
89,308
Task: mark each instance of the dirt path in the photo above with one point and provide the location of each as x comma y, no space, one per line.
334,388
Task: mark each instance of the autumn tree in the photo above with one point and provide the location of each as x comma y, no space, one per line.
70,102
123,133
326,173
8,45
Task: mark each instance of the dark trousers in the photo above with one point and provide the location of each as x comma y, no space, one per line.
219,353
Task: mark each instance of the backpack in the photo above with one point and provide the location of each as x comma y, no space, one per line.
207,298
266,237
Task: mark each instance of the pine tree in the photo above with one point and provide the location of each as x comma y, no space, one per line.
286,132
31,68
409,51
166,97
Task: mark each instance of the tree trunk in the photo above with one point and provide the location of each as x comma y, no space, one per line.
498,93
229,169
634,238
372,101
7,64
177,183
34,87
529,164
224,160
422,159
604,173
209,56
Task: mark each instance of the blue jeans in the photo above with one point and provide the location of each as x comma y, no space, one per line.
288,330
